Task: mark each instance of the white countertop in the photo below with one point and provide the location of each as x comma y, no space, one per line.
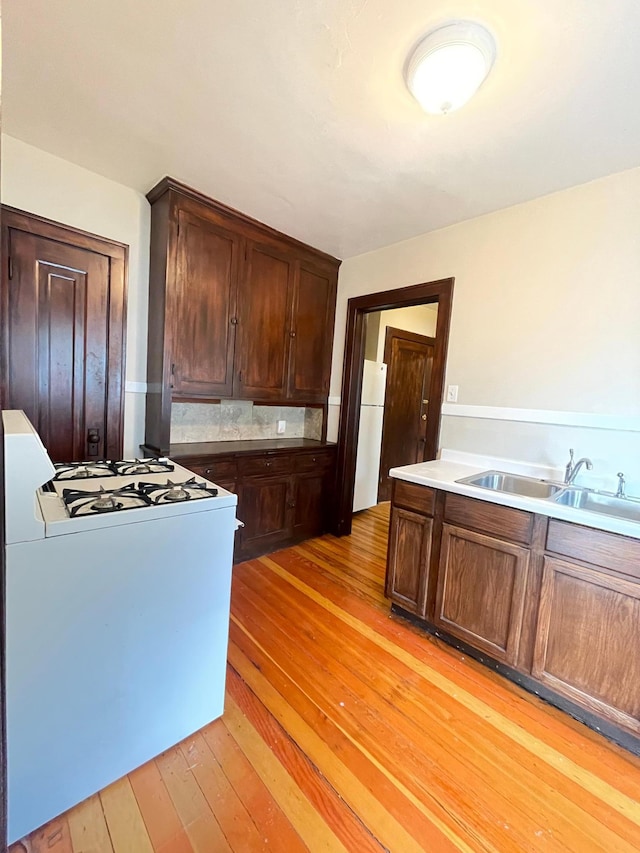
443,474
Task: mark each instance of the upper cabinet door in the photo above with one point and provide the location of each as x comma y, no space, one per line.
264,321
205,319
314,308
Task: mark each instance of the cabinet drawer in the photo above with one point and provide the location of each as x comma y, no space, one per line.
493,519
314,461
277,463
411,496
608,550
213,469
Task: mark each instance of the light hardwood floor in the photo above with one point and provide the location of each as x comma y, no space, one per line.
345,729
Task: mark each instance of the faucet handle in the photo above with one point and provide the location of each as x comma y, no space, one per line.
571,455
620,493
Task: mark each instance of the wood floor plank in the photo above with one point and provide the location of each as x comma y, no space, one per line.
126,828
590,781
308,823
195,813
163,824
274,826
343,822
511,782
88,827
239,829
391,813
54,837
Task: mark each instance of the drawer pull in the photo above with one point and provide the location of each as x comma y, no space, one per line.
207,471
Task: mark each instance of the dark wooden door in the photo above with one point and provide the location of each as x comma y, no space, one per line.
204,331
409,359
264,323
481,587
314,304
63,319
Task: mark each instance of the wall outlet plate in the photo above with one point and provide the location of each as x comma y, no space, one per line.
281,427
452,394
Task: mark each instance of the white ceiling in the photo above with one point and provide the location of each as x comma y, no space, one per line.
295,111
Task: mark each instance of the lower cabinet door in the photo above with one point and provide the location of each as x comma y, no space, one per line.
264,505
408,559
587,640
309,504
480,591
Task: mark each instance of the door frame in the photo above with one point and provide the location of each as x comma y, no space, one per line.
440,292
390,333
118,255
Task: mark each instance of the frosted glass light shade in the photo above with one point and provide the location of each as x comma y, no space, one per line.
448,66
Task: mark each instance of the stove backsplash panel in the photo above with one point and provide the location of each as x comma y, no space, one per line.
238,420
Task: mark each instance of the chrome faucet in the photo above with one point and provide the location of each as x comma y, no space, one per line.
620,492
571,470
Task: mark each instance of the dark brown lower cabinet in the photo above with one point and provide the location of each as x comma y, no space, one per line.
480,591
587,640
283,496
264,505
310,506
554,605
409,558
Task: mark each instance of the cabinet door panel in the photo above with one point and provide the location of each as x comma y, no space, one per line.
310,501
481,586
265,296
205,304
587,638
312,328
408,560
263,506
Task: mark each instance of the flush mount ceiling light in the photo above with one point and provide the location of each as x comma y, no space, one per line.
449,65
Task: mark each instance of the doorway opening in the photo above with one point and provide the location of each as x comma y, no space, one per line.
421,365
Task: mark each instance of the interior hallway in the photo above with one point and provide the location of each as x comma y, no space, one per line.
347,730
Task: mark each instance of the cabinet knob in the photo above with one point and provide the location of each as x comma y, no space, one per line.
313,459
267,464
234,321
207,470
291,504
292,334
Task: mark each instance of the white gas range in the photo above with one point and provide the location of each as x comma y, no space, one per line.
118,588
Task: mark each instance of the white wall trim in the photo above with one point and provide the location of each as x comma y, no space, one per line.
621,423
334,401
135,387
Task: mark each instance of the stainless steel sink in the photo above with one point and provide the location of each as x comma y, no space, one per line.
600,503
514,484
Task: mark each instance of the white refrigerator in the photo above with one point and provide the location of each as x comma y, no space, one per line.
370,435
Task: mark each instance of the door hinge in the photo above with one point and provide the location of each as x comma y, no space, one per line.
10,265
240,376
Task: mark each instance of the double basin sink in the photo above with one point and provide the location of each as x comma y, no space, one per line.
602,503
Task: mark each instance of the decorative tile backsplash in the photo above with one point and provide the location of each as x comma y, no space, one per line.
238,420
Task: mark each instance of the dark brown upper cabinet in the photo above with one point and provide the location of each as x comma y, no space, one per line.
205,297
264,315
314,303
236,309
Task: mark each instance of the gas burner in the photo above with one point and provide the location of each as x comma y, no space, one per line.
81,502
170,492
82,470
154,465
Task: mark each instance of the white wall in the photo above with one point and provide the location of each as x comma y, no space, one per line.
420,319
40,183
546,315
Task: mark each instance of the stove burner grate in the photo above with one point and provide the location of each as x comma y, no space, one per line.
80,502
170,492
83,470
